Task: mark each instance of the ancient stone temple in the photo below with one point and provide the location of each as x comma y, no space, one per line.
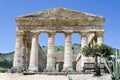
28,53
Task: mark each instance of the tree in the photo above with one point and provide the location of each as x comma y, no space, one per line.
97,51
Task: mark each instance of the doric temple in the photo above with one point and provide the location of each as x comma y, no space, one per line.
29,55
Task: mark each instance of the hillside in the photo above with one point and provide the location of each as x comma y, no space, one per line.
6,60
60,49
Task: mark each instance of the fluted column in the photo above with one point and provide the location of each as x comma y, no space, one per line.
26,55
84,42
33,66
68,55
50,53
57,67
94,42
100,38
84,39
19,49
82,59
100,41
25,58
27,50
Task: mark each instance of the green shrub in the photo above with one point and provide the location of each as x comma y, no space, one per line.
6,64
3,70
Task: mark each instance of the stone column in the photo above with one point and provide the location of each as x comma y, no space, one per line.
19,49
68,55
82,59
100,41
84,42
33,66
100,38
23,55
94,42
84,39
50,53
57,67
27,44
27,55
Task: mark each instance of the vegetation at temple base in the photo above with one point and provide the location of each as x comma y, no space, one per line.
6,61
98,51
3,70
61,66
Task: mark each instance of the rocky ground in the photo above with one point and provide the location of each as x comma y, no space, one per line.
11,76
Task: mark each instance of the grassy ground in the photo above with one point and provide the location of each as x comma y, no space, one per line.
2,70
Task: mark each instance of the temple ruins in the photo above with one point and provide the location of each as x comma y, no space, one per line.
29,55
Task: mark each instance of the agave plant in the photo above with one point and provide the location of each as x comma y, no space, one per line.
116,66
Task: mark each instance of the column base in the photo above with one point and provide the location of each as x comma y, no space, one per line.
50,70
80,63
33,69
69,69
79,66
17,69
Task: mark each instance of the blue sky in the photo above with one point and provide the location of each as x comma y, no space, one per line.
9,9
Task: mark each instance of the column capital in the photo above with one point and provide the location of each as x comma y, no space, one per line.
51,33
84,39
68,36
100,38
84,33
99,33
27,39
20,32
68,33
35,33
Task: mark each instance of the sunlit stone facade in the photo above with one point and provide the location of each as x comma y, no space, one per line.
52,21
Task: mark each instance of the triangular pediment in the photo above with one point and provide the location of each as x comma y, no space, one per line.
60,13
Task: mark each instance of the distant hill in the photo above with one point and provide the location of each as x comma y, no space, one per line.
60,49
6,59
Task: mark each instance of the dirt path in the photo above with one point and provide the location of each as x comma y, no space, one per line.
10,76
